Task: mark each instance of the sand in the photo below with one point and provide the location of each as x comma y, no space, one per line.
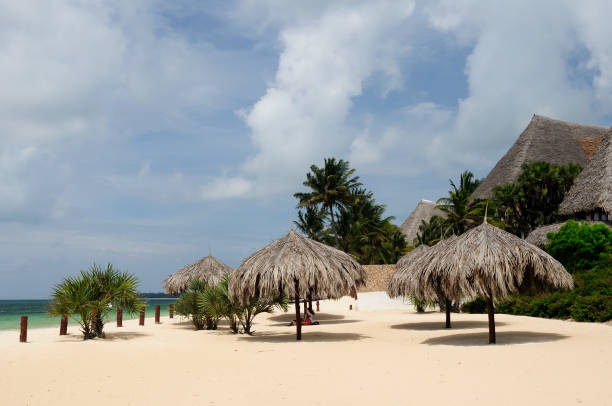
380,353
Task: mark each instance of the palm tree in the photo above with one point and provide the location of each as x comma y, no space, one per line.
331,188
312,223
461,213
92,295
189,305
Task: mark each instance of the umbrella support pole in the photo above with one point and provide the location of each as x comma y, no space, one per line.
491,313
298,319
447,306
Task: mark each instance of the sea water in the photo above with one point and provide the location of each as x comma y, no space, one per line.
36,310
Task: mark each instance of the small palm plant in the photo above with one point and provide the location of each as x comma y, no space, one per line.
89,298
188,304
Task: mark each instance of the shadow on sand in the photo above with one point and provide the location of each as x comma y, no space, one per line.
287,317
109,336
439,325
319,336
502,338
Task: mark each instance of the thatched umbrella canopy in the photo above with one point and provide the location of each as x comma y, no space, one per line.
397,285
406,283
297,267
424,211
209,270
486,261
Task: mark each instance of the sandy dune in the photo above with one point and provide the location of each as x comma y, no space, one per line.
392,356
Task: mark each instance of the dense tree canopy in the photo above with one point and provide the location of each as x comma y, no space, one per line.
339,212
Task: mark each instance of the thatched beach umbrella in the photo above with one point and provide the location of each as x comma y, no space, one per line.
209,270
490,262
405,281
297,267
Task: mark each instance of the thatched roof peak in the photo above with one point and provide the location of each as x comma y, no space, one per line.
592,190
319,269
424,211
208,269
544,139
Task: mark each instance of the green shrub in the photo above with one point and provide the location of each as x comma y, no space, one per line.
476,306
580,246
591,299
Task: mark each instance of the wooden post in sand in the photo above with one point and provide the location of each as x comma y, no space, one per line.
298,318
350,307
171,311
119,317
23,335
157,309
317,305
64,325
142,316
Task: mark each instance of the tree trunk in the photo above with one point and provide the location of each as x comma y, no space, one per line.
298,319
333,223
310,303
447,306
491,320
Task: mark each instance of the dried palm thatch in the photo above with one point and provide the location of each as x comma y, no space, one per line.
209,270
539,236
424,211
484,261
592,190
297,267
544,139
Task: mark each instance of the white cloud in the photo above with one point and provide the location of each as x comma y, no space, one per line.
73,73
327,54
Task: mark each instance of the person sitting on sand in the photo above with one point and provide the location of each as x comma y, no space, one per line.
308,319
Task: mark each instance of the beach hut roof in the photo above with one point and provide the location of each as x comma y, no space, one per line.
400,282
544,139
538,237
424,211
209,270
296,261
592,190
485,261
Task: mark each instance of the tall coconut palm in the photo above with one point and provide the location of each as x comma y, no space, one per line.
331,188
461,213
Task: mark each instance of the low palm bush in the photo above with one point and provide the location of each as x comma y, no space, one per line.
89,298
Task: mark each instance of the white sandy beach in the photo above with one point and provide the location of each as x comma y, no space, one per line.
389,356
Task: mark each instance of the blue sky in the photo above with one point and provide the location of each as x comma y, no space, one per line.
146,133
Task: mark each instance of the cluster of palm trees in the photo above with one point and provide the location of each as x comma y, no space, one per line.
91,296
518,207
205,305
338,211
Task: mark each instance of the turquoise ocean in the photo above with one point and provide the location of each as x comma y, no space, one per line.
36,310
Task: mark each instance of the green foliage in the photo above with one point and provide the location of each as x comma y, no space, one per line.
461,213
89,298
357,224
534,199
331,187
421,304
478,305
580,246
206,305
311,222
591,299
430,231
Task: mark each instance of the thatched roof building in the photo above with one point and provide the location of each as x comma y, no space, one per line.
297,267
424,211
591,195
544,139
209,269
